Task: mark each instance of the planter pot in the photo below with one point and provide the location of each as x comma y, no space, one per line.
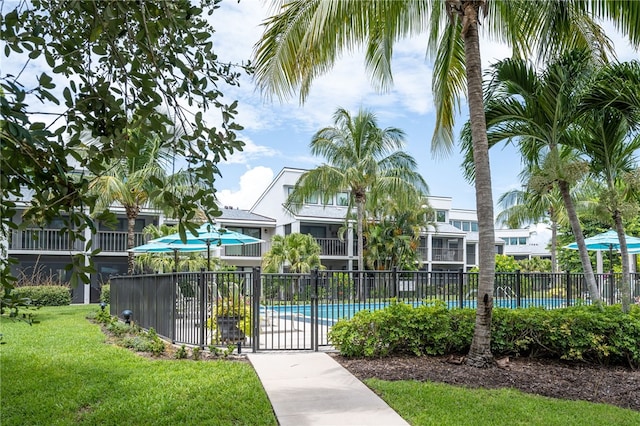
228,330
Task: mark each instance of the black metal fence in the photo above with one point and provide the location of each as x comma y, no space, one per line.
296,311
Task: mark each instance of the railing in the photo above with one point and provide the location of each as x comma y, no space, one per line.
332,247
251,250
447,255
116,241
43,240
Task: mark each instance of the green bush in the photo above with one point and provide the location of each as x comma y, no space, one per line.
578,333
105,293
45,295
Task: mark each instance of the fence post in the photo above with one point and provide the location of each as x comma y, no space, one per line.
256,293
174,305
568,281
203,304
394,281
314,309
612,296
518,277
569,293
461,288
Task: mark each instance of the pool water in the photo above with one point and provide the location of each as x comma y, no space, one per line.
331,313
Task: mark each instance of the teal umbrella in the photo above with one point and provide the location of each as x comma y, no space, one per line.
608,241
208,234
157,247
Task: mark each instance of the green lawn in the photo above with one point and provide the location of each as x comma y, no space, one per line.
439,404
60,372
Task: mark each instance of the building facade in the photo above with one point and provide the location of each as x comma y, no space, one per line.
451,244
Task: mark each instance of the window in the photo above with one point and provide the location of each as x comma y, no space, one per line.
522,241
466,226
474,226
513,241
441,216
342,199
457,224
313,199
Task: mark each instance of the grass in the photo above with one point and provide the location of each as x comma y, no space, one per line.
439,404
61,372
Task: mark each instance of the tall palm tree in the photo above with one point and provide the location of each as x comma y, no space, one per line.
610,145
304,38
539,111
366,161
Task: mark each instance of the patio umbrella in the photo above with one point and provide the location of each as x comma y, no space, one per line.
156,247
608,241
208,234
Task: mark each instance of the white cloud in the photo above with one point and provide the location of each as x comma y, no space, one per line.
252,184
251,151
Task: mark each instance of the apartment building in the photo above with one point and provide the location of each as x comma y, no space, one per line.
449,245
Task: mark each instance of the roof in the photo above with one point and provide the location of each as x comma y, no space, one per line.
237,214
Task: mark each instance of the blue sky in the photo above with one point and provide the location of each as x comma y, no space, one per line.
278,134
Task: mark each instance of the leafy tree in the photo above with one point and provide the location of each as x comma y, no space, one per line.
108,66
364,160
305,37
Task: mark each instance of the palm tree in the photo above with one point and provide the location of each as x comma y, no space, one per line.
304,39
137,181
301,252
539,112
521,207
366,161
609,144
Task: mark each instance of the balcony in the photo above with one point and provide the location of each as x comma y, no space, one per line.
116,241
333,247
447,255
250,250
43,240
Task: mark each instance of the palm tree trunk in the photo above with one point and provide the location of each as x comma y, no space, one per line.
480,352
131,226
554,246
625,285
582,248
360,230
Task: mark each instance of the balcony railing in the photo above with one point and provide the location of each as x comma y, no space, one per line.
251,250
116,241
447,255
43,240
332,247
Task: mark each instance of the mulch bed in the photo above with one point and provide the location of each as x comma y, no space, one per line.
610,385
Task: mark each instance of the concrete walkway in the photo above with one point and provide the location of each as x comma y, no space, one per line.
311,388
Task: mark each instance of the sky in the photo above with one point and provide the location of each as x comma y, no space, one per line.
277,134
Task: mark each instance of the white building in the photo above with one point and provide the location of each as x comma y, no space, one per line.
450,245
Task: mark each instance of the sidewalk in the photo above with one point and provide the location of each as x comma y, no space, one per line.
310,388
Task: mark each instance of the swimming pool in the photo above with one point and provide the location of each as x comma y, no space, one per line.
330,313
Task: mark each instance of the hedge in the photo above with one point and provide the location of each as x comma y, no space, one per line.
578,333
46,295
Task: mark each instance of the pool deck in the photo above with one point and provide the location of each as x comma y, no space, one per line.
311,388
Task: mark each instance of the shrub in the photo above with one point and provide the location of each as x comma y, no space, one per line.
578,333
45,295
105,293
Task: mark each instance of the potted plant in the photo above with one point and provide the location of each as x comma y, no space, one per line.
231,315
